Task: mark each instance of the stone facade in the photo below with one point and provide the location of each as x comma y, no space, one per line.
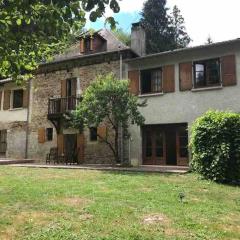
47,85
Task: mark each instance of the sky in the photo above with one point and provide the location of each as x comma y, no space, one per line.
216,18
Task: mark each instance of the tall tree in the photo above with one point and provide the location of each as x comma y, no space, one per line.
155,21
107,100
32,31
209,40
163,31
178,29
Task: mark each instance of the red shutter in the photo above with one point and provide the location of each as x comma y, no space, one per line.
41,135
82,45
168,78
80,146
134,82
185,76
25,98
228,67
60,144
6,103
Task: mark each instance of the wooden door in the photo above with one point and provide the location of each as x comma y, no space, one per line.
70,145
3,142
154,150
182,146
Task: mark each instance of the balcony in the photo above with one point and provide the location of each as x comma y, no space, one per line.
58,106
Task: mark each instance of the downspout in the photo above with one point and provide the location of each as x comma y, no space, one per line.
28,118
121,128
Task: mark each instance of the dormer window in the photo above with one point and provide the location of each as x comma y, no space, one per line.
86,45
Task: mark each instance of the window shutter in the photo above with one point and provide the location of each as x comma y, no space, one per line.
228,67
185,76
169,78
25,99
41,135
64,88
80,146
60,144
91,44
6,103
134,82
74,87
102,132
82,45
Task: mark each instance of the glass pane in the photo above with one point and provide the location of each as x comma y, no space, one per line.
199,75
159,152
199,67
213,72
159,139
148,152
18,98
156,78
183,152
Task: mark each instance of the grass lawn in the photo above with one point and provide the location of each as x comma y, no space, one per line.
52,204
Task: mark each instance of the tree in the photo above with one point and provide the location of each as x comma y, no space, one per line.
178,30
209,40
155,21
123,36
164,31
32,31
107,100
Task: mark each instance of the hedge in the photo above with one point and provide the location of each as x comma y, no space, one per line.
215,145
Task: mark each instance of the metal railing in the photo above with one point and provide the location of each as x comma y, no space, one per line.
62,105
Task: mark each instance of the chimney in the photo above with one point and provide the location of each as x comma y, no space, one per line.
138,39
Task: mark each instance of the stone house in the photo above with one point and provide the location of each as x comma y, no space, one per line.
179,86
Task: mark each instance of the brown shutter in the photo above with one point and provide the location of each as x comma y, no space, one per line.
82,45
25,98
80,146
91,44
74,87
0,100
134,81
185,76
60,144
228,66
102,132
41,135
7,96
64,88
169,78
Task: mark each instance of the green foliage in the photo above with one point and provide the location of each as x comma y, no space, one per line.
123,36
215,144
108,100
32,31
163,31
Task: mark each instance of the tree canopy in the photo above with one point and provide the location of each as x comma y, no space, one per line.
108,101
123,36
32,31
164,31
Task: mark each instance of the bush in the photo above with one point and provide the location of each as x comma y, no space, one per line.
215,144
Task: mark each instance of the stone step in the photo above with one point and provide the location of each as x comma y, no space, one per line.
4,161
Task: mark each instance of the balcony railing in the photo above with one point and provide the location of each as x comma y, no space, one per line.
58,106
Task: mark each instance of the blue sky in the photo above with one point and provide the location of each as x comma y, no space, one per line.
217,18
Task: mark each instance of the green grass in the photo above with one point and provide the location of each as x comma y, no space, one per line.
43,204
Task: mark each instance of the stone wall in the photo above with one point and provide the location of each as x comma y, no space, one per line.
48,85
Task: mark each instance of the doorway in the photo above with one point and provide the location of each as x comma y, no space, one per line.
165,144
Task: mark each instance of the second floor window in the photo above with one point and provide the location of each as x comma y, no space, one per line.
151,81
207,73
17,98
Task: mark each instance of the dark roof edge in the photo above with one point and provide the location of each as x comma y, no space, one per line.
87,56
186,49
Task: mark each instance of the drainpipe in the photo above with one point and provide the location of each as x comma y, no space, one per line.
121,128
28,118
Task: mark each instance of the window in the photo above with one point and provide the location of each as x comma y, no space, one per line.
17,98
183,142
93,134
49,134
207,73
151,81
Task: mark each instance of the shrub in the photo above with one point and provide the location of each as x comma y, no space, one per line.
215,144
